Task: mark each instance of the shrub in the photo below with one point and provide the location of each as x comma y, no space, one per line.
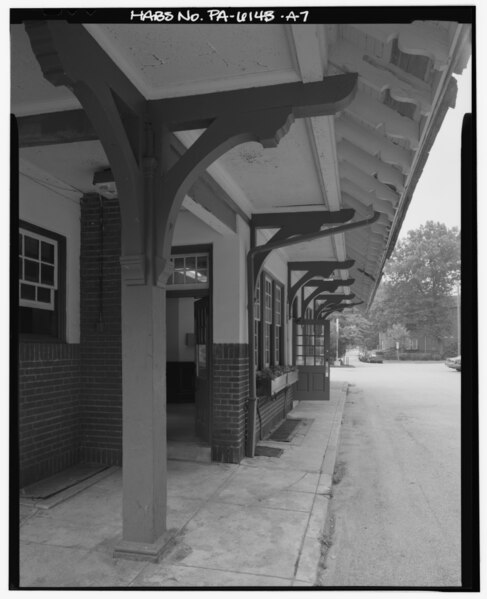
419,356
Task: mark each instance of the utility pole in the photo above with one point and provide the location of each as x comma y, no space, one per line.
338,330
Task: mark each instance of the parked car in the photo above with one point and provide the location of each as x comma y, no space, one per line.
455,362
375,358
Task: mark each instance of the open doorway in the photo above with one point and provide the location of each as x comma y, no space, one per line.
188,366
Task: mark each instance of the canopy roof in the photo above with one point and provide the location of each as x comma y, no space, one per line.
369,154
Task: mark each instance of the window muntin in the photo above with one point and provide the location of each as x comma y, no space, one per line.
310,344
267,319
268,322
38,270
267,300
190,271
277,323
257,323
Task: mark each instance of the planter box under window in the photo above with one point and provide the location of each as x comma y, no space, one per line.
272,387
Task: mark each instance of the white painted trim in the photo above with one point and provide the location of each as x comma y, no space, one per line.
187,88
207,217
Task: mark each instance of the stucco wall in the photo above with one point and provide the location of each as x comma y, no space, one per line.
229,279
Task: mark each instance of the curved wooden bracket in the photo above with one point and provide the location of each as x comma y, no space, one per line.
266,127
316,294
69,56
313,269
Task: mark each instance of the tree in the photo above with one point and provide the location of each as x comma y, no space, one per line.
355,329
418,280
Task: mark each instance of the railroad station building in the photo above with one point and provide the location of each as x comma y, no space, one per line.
194,203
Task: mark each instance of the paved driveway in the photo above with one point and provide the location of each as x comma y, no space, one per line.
396,504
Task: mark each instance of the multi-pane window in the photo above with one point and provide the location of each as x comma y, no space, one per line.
190,271
267,320
277,323
257,323
38,265
42,282
310,344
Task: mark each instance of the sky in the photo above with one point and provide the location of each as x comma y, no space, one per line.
437,194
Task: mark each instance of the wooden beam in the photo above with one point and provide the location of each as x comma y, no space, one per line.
376,75
300,222
51,128
371,184
367,198
74,126
330,285
372,165
375,143
321,98
379,116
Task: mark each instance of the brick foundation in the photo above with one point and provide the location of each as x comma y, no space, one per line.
49,409
100,322
272,411
230,393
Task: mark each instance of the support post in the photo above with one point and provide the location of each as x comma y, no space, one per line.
144,422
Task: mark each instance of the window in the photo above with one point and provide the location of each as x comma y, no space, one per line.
257,323
190,271
267,319
268,322
41,282
277,324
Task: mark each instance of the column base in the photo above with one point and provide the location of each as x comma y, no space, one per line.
143,552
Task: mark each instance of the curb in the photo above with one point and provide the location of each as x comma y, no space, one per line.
309,560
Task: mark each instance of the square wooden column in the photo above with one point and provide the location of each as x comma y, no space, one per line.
144,422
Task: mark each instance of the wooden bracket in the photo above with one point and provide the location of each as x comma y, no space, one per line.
69,56
134,131
312,269
318,294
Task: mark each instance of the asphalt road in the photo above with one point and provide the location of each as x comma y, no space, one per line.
395,511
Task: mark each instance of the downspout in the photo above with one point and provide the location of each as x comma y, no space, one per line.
252,401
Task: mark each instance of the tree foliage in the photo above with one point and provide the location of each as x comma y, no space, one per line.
355,330
419,280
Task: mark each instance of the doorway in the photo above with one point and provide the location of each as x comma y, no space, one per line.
188,347
312,355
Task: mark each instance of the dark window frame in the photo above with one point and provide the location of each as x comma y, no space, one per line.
58,335
261,323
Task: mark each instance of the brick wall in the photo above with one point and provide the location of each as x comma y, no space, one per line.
49,409
230,393
100,322
271,411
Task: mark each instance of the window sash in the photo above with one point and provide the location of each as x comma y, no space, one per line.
42,266
267,344
257,301
267,300
191,271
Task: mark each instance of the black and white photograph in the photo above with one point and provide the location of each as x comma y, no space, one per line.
243,317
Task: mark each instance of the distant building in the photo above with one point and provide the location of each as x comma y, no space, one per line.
420,340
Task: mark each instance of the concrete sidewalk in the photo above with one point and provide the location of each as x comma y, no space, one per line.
255,524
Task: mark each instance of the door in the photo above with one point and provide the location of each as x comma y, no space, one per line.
312,356
202,382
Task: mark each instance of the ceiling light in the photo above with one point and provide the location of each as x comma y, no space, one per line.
105,184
